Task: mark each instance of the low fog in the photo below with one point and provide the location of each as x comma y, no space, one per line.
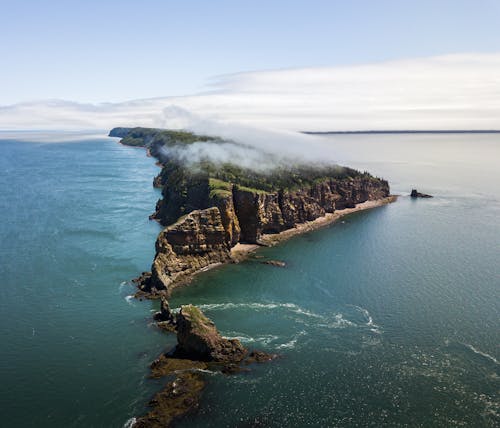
266,109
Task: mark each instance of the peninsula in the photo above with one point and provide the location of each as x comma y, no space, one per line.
215,209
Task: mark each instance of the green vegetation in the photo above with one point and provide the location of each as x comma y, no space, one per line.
153,138
219,188
180,175
199,322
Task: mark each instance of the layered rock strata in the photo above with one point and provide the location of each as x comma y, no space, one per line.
205,236
207,208
199,347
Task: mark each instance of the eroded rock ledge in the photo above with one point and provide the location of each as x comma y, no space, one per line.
200,347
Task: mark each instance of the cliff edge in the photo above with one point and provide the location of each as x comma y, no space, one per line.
208,206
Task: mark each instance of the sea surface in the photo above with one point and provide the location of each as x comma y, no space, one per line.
390,317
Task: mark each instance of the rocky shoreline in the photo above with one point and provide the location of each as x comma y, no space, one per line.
200,348
215,214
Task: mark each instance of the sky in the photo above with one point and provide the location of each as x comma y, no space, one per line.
93,52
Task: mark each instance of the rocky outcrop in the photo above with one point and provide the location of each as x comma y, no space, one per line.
165,319
198,339
415,194
178,397
229,218
195,242
199,347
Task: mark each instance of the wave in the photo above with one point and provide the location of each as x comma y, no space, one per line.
292,343
369,320
124,284
130,299
483,354
264,339
260,306
130,423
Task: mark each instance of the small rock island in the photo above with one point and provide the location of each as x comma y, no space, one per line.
199,347
415,194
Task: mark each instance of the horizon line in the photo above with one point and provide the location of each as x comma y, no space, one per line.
407,131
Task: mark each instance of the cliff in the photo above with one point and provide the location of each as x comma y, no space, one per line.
209,206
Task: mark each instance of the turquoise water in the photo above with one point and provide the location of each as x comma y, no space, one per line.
388,318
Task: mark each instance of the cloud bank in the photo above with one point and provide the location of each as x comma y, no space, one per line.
445,92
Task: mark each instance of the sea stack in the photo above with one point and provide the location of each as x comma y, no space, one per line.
416,194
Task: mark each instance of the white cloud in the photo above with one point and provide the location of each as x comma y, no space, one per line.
446,92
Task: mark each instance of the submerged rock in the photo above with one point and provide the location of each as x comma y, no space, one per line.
277,263
415,194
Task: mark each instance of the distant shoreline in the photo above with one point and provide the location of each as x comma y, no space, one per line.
443,131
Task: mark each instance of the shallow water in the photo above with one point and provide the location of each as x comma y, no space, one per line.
388,318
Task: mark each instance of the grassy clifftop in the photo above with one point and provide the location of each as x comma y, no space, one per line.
171,148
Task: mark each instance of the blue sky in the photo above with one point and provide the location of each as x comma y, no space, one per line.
98,51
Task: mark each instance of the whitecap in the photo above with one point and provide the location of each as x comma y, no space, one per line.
291,344
369,320
130,423
259,306
264,339
288,345
483,354
130,299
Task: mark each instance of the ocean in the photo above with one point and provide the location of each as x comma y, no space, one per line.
390,317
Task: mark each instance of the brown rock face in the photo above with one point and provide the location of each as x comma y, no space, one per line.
205,236
196,241
198,339
260,213
229,218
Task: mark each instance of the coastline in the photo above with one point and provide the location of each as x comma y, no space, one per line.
241,251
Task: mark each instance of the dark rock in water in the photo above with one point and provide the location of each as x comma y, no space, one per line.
277,263
166,319
415,194
165,313
178,398
259,357
200,347
198,339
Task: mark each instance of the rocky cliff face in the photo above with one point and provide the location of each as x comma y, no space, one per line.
196,241
260,213
205,236
207,207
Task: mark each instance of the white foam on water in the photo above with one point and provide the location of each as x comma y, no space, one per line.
264,339
483,354
130,299
288,345
291,344
369,320
260,306
130,423
338,322
123,284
